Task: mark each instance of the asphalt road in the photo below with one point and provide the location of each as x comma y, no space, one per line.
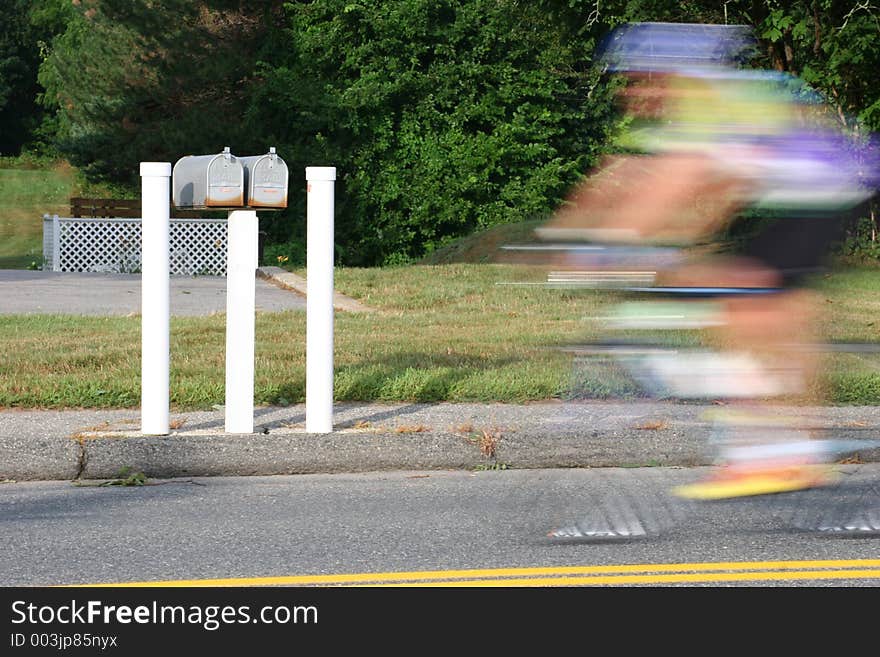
291,529
42,292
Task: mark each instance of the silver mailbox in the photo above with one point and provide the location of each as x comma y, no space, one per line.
265,181
208,181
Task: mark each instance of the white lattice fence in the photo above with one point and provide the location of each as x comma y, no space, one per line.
197,246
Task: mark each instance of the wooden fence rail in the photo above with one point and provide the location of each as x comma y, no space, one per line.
126,208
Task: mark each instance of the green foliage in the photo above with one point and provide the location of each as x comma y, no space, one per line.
861,388
495,465
862,242
441,117
286,254
830,44
16,82
26,29
447,118
135,80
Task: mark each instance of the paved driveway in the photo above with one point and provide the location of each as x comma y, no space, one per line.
43,292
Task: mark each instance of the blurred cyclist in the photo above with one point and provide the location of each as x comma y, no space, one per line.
712,140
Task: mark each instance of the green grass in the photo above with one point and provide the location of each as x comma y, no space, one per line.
29,189
25,196
464,325
852,314
441,333
460,332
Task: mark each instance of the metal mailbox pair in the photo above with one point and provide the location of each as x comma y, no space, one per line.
224,181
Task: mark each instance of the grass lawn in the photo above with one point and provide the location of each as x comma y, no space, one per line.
25,196
455,332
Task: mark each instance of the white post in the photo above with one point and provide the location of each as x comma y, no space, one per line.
56,243
256,244
155,297
241,265
320,183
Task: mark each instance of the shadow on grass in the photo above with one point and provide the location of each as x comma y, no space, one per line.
20,261
459,378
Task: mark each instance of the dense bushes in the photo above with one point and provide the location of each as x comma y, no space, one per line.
441,116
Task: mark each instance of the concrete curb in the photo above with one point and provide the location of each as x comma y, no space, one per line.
95,444
290,281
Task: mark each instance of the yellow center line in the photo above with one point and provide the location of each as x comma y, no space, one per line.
554,574
678,578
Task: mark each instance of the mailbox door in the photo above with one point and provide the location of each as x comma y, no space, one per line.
225,183
267,186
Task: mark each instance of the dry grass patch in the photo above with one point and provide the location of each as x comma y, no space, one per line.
652,425
489,440
411,428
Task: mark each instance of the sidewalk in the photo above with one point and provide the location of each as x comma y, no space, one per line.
97,444
106,295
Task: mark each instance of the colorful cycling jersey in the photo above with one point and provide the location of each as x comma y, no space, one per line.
767,129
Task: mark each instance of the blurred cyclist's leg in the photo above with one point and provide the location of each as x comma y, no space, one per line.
760,451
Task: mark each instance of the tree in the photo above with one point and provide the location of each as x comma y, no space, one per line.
830,44
135,80
442,117
26,31
16,65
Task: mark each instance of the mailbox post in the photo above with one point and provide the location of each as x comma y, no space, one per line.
320,183
241,185
155,298
240,320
